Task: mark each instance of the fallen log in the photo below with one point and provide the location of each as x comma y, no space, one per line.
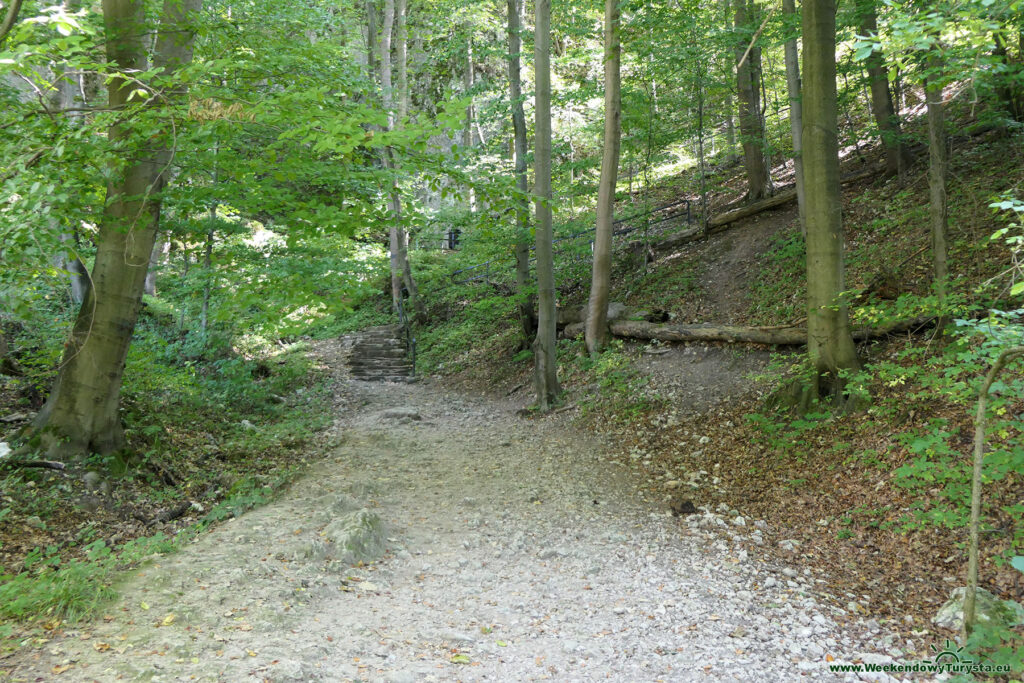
735,334
716,223
784,197
635,329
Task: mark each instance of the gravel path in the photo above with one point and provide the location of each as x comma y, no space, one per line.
514,550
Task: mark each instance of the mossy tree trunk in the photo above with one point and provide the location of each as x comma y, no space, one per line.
937,170
792,58
897,156
829,342
82,413
544,346
596,333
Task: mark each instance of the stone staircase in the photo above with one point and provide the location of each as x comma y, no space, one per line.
381,354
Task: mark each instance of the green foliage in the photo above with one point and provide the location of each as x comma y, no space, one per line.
613,385
783,274
1013,236
247,493
928,461
794,438
52,588
454,346
998,645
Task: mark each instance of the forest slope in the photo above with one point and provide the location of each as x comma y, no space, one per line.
875,499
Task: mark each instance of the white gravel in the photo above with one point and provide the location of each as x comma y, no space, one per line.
517,550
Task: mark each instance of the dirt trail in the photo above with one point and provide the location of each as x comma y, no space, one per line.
516,550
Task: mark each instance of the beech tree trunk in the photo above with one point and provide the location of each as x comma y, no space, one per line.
937,170
751,117
69,96
371,39
204,311
830,344
402,57
82,412
1008,88
596,334
394,238
78,274
730,129
387,91
154,260
795,112
398,239
527,302
467,131
897,156
544,346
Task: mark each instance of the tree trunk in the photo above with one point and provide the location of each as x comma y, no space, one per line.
159,246
70,95
371,39
730,130
974,530
419,310
71,262
751,121
795,112
596,334
82,412
701,162
897,157
394,259
387,91
830,344
204,311
8,366
544,346
402,57
937,169
734,334
467,131
527,302
1008,88
394,202
398,239
394,239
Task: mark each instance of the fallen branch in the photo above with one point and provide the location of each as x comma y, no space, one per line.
41,464
164,516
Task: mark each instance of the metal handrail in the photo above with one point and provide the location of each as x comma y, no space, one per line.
410,339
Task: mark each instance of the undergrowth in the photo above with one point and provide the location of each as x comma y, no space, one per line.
215,421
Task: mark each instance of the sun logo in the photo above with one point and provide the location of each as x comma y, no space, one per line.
949,654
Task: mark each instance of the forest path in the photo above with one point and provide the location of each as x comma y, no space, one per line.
517,550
